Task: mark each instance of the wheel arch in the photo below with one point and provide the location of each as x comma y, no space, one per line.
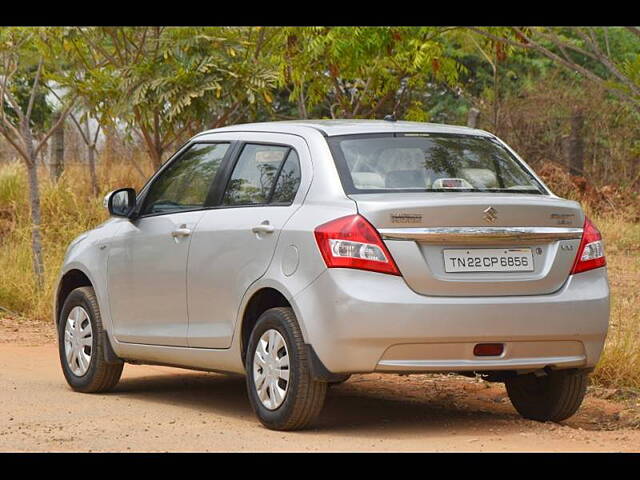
260,301
69,281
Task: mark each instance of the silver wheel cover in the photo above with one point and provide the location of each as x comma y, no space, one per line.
271,369
78,341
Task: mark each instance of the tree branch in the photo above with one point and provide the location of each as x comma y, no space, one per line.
95,137
602,58
22,151
34,89
98,48
61,119
14,105
570,65
634,30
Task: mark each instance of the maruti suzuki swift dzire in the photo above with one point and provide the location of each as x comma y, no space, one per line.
300,252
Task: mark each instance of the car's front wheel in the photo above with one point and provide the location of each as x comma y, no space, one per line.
282,391
81,344
552,397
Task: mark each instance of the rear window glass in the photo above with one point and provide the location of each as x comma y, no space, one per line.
430,163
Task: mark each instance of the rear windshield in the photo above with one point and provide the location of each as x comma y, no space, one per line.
428,163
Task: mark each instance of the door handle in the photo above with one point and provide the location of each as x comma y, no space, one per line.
181,232
264,227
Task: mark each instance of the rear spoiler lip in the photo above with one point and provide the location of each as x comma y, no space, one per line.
471,235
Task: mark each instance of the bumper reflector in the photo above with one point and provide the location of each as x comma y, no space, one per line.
488,349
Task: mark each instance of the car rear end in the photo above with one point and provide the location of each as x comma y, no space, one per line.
457,258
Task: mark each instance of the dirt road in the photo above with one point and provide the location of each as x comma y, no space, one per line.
167,409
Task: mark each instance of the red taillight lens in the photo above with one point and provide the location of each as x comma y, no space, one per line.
352,242
591,250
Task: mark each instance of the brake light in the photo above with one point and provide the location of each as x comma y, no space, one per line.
591,250
352,242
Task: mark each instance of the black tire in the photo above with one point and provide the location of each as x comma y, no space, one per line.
305,396
100,376
553,397
344,378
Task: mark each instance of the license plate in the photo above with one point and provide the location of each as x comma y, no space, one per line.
488,260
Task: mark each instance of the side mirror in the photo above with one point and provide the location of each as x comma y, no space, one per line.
120,202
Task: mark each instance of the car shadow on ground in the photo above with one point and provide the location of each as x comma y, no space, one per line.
354,407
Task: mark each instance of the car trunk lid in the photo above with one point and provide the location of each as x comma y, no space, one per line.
423,230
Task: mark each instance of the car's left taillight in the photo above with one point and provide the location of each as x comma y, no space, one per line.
352,242
591,250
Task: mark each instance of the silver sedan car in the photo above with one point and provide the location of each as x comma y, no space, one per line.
297,253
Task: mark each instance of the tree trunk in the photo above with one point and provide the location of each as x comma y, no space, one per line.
57,150
95,188
302,109
472,118
576,145
91,158
154,148
34,202
496,99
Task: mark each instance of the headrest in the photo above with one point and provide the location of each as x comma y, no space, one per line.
406,179
479,177
367,180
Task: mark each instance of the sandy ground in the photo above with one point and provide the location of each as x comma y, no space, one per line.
168,409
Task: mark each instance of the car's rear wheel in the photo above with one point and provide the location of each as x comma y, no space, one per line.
552,397
81,345
282,391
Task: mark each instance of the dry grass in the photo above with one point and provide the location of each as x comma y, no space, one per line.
620,364
68,209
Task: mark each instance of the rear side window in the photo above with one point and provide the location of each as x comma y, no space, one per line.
185,184
288,180
263,174
429,163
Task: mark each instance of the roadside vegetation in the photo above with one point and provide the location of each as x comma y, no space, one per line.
86,110
69,208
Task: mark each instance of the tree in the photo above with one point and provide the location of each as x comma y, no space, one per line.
364,72
90,77
166,82
585,50
24,63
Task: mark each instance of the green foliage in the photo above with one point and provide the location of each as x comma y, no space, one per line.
166,81
21,50
362,71
607,56
199,69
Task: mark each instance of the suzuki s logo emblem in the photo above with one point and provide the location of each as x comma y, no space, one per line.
490,215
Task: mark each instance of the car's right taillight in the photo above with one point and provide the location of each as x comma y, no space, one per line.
591,250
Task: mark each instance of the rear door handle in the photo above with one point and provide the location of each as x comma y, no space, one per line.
181,232
264,227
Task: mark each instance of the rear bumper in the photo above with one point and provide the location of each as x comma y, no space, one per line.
360,321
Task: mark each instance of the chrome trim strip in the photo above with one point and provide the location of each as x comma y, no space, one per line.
466,235
497,364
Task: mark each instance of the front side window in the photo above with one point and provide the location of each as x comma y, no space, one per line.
185,184
429,163
260,177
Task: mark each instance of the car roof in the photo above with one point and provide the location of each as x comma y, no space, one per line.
330,128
